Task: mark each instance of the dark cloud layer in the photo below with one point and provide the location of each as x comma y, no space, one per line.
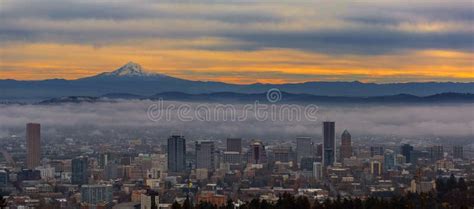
360,41
361,28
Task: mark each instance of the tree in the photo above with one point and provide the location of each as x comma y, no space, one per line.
452,184
302,202
451,199
187,204
462,185
230,204
327,203
337,204
358,204
176,205
265,205
254,204
440,185
286,201
206,205
3,203
317,205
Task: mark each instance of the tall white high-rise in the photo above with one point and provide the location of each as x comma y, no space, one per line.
317,171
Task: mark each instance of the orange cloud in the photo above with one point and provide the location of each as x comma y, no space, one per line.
34,61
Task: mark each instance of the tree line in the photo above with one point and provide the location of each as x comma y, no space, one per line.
450,193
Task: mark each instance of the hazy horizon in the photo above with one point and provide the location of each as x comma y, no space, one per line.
360,120
296,82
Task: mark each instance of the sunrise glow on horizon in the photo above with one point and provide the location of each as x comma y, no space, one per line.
241,42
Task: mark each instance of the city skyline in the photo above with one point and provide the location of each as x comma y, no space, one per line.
136,172
236,104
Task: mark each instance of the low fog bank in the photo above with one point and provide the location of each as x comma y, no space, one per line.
405,120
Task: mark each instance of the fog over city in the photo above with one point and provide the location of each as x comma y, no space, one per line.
403,120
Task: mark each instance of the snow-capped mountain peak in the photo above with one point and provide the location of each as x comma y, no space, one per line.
130,69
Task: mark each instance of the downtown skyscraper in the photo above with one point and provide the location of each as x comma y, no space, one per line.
346,145
376,150
257,153
406,151
79,169
234,145
176,154
205,155
304,148
33,145
436,152
329,143
458,152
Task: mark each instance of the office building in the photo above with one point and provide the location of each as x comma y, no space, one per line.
257,153
317,171
458,152
96,194
232,157
234,145
329,143
28,175
307,163
417,155
319,151
282,154
111,171
205,155
389,160
212,198
304,148
3,179
400,159
176,153
79,168
149,200
33,145
406,150
436,152
105,159
375,168
376,150
346,145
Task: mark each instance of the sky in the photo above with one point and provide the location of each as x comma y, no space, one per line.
233,41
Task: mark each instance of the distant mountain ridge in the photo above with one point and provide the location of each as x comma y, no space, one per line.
132,79
231,97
